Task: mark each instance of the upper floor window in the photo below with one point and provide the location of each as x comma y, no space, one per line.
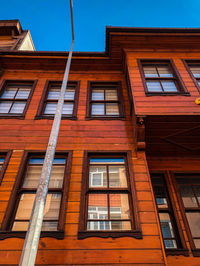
24,195
107,205
105,100
15,97
49,101
161,78
193,68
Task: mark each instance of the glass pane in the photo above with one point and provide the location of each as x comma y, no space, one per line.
20,226
150,71
52,207
68,108
108,225
23,93
117,176
46,226
119,206
160,195
97,95
195,71
166,225
154,86
34,171
5,107
97,226
49,226
107,160
183,180
54,94
25,206
170,243
164,71
97,109
194,223
112,109
97,206
69,94
97,176
169,86
188,196
18,108
9,93
50,108
197,192
197,243
111,95
1,162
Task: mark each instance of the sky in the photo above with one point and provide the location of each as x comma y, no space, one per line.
49,20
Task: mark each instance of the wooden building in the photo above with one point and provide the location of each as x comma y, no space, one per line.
125,186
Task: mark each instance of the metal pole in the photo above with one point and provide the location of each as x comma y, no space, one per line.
33,234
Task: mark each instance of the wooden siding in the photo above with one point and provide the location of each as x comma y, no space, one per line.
163,105
117,135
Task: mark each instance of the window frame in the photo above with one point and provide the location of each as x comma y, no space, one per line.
9,217
182,249
17,82
6,155
181,88
195,251
133,203
187,63
40,111
120,101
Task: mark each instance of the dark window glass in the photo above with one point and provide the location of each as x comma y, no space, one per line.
166,215
189,189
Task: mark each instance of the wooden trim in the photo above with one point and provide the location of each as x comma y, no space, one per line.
7,155
130,94
120,101
186,63
18,81
182,90
135,222
12,206
40,110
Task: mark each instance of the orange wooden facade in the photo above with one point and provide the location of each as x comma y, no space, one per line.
158,114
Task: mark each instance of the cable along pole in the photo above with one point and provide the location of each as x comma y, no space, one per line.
35,224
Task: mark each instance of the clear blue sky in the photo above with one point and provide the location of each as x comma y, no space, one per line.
49,21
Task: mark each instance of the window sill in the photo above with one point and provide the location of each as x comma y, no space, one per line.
167,93
52,117
196,252
175,252
113,234
22,234
4,116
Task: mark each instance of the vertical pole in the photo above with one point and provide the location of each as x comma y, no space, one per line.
33,234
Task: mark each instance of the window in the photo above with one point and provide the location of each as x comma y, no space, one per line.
4,159
49,101
106,198
189,192
15,97
105,100
166,215
160,77
21,203
193,67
